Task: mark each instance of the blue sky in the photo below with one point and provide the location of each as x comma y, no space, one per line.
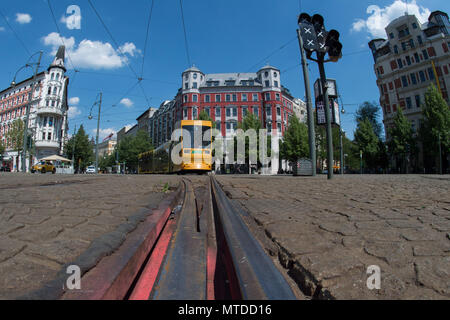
223,36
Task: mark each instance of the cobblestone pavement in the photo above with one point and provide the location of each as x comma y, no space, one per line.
327,234
48,221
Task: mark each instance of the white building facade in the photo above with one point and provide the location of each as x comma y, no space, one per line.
48,116
413,57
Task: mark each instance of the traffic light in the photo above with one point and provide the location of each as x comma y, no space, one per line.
308,33
321,34
334,46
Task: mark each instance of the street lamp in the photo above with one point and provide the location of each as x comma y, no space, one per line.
99,103
30,101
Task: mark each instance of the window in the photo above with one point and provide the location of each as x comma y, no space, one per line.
49,136
276,84
418,102
235,97
267,83
279,111
228,112
57,76
52,77
185,113
255,97
218,125
207,98
408,60
268,111
404,46
218,112
413,78
425,54
217,97
228,126
267,96
186,86
244,98
228,98
185,98
419,40
230,83
396,49
195,113
277,96
244,112
208,112
235,112
430,73
400,63
422,76
391,35
404,81
408,103
414,25
194,85
279,127
416,57
256,111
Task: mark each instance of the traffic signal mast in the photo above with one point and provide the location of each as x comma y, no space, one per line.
316,39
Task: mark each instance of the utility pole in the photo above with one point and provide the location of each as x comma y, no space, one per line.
326,104
440,156
98,133
311,120
73,153
27,117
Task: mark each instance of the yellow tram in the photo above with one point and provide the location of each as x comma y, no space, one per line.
195,154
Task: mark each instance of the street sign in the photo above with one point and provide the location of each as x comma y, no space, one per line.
331,85
335,115
303,168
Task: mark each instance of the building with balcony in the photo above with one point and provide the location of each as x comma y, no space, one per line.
48,117
411,58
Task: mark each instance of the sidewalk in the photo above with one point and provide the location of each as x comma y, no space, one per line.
327,234
49,221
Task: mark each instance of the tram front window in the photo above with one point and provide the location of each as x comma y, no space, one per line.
195,137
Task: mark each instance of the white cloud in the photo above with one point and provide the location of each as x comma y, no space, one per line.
91,54
129,48
74,101
379,18
127,102
23,18
74,112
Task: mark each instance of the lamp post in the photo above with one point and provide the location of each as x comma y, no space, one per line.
28,106
99,102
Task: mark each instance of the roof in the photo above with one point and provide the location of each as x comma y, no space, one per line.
58,62
192,69
237,77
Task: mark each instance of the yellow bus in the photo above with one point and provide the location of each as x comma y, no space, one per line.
196,156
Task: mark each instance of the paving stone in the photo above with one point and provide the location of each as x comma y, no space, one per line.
10,248
395,222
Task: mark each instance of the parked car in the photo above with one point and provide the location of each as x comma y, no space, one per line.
90,170
44,167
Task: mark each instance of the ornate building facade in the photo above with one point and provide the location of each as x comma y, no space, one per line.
48,117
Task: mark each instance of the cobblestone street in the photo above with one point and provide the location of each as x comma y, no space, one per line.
48,221
327,234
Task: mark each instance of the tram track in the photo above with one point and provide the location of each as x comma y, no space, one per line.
198,249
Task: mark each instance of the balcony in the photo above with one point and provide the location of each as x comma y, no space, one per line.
50,110
47,144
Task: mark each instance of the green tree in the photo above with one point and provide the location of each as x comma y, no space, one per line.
84,153
130,148
295,145
370,111
435,127
402,145
367,141
2,148
203,116
15,135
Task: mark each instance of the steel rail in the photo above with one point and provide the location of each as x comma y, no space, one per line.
256,275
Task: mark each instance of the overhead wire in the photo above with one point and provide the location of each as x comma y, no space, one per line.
185,34
15,33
